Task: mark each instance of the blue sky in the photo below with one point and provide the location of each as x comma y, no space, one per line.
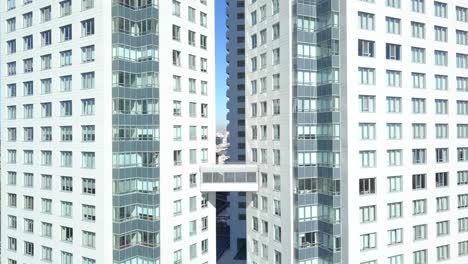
220,30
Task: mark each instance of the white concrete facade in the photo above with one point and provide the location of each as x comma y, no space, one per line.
391,246
60,204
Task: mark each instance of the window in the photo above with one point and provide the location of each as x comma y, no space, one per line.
441,82
367,186
87,80
275,6
28,180
178,256
89,212
66,33
28,202
67,258
11,68
204,246
28,134
27,20
462,201
65,83
419,156
393,78
419,181
368,214
418,30
46,182
89,186
395,210
395,183
11,46
393,51
440,58
394,104
443,228
89,239
418,55
395,236
11,178
66,133
87,27
87,54
394,130
462,14
65,8
88,160
462,61
176,8
66,183
46,38
28,157
441,33
47,253
87,107
442,203
203,42
462,37
11,25
85,5
394,157
462,177
368,241
46,158
65,58
393,25
462,154
441,155
27,111
366,21
66,108
419,207
366,48
11,4
28,65
367,76
66,209
418,6
463,248
420,232
440,9
367,158
193,227
441,131
419,105
367,103
11,112
28,248
463,224
191,14
46,86
276,31
12,200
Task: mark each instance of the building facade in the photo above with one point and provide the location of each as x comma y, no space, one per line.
355,115
235,22
87,138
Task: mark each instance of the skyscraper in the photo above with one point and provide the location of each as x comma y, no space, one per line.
356,117
97,167
235,11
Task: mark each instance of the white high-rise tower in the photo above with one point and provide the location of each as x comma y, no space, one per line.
107,112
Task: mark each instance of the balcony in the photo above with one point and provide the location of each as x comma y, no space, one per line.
229,178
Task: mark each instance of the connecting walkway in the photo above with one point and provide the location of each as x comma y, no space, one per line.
229,178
